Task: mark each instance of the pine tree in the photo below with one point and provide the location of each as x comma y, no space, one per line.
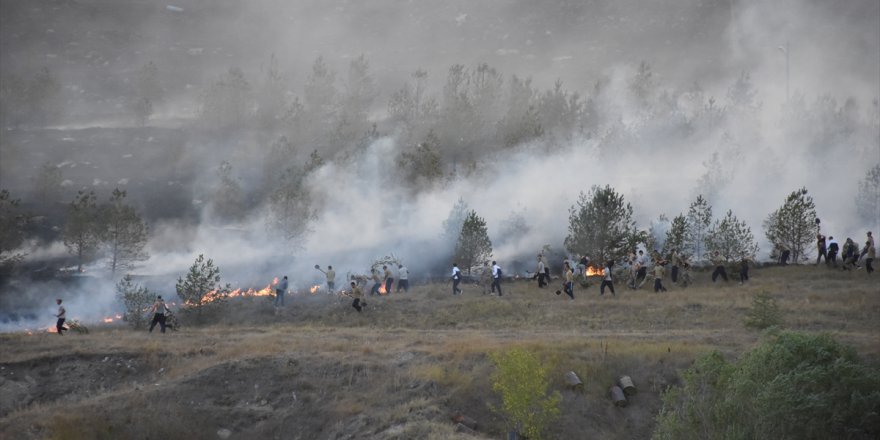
454,221
676,236
731,238
601,225
202,280
792,226
136,299
82,231
125,233
473,246
699,217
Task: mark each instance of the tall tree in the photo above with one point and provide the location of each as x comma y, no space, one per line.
227,103
676,236
473,246
228,200
600,225
421,166
124,234
731,238
699,217
12,230
290,205
454,221
868,197
82,231
792,226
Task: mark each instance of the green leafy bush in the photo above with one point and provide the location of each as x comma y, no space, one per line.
522,381
792,386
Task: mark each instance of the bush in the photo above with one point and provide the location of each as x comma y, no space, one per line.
523,384
792,386
137,300
764,312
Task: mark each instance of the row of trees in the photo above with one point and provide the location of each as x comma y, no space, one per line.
601,225
113,231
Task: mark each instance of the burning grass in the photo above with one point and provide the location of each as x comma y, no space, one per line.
408,361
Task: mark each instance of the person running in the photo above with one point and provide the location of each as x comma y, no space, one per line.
377,282
403,278
485,278
331,279
744,270
389,279
659,273
280,291
456,278
718,261
833,249
496,278
821,248
870,252
540,273
158,310
62,316
607,279
358,296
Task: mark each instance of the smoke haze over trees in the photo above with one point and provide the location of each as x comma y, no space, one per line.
275,135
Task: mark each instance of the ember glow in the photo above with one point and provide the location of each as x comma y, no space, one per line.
314,289
594,271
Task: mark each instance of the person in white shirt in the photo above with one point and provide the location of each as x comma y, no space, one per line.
496,278
62,316
456,278
403,278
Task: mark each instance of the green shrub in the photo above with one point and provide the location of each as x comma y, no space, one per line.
792,386
522,381
764,313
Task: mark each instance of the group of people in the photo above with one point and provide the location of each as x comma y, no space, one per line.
850,254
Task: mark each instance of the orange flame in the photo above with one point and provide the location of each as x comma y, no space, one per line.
382,289
216,295
314,289
594,272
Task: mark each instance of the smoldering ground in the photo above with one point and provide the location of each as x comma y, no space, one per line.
659,156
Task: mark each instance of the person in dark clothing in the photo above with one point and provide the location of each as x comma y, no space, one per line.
850,255
158,310
823,251
833,249
607,279
743,270
719,267
280,291
62,316
783,258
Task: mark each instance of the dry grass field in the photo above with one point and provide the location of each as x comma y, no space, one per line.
406,365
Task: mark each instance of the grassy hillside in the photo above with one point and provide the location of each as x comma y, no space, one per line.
407,364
